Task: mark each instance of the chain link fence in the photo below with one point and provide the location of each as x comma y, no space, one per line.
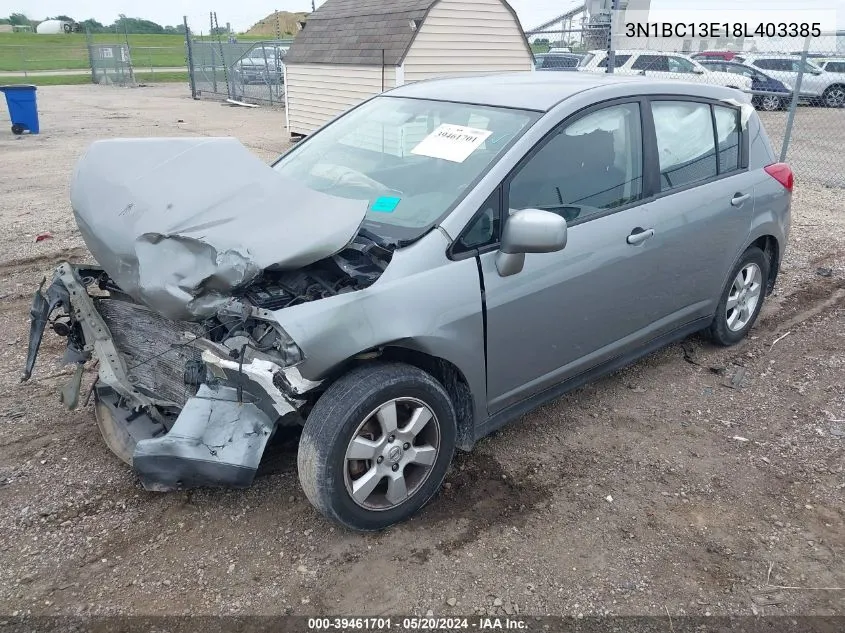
30,58
796,84
252,72
112,61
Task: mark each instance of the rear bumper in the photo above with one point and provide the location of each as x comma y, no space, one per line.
216,437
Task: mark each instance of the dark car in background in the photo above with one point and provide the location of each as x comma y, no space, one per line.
558,61
768,93
261,65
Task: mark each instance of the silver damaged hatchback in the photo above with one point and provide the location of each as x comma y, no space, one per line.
427,267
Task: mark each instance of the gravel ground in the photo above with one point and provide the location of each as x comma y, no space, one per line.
657,489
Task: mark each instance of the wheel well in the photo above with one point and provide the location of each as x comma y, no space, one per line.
453,381
769,245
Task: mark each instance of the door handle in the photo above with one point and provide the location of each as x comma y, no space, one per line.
739,199
638,236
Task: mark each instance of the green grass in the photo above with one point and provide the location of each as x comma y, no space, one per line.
49,80
30,51
75,80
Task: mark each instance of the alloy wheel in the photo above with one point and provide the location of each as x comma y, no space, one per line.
391,454
834,97
769,103
744,297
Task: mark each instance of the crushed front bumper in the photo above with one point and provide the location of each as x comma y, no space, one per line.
215,437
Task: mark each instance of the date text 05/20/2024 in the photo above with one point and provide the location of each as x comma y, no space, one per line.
417,624
697,30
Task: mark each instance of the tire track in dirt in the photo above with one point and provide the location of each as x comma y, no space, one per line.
810,300
39,261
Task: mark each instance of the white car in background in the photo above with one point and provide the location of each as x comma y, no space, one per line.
831,65
819,86
663,65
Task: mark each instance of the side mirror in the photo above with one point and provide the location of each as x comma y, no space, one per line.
698,71
529,231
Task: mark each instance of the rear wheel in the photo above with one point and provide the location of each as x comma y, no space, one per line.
17,129
377,445
742,298
769,103
834,97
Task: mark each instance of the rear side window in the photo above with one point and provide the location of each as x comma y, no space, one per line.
686,144
651,62
783,65
618,63
835,67
765,64
727,132
679,65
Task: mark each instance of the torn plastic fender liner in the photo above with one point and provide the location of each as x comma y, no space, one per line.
179,223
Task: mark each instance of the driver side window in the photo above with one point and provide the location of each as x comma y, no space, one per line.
587,167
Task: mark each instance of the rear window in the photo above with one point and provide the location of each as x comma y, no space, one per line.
560,61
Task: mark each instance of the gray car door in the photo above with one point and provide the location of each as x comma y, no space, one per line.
570,310
702,216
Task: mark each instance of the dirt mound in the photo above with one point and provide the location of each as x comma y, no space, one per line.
283,22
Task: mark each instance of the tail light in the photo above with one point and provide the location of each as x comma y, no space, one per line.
782,173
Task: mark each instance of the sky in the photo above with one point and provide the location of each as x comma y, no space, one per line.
245,13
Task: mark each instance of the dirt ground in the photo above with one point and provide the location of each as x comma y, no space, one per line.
658,489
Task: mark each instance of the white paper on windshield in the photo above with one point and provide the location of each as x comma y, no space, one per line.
454,143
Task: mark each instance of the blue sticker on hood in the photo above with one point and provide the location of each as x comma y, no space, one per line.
385,204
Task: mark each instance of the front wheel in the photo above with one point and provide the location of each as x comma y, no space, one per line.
377,445
742,298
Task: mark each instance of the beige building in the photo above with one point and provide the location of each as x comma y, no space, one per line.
350,50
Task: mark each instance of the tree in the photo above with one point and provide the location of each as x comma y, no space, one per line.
135,25
19,19
62,18
92,26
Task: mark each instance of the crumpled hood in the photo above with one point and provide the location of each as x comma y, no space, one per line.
179,223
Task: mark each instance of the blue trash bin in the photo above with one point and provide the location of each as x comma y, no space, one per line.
23,108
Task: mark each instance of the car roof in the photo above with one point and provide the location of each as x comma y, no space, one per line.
771,56
639,51
540,91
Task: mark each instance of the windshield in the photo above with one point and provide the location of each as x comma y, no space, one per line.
413,160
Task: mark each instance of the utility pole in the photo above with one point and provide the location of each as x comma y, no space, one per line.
611,48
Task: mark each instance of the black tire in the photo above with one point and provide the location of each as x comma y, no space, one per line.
834,96
720,332
769,104
335,420
17,129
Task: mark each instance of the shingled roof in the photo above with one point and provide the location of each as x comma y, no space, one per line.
357,31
